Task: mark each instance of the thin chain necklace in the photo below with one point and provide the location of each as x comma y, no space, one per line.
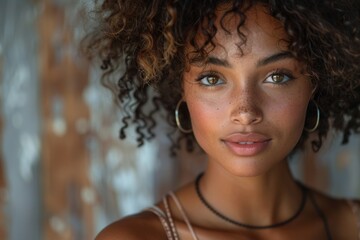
220,215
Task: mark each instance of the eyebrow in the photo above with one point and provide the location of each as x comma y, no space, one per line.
217,61
262,62
275,57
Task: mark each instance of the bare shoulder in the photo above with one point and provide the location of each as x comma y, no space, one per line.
337,205
144,225
342,214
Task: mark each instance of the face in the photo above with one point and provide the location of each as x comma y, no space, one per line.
248,110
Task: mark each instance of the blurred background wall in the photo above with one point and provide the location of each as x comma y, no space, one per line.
63,172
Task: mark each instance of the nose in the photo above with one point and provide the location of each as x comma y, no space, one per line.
246,109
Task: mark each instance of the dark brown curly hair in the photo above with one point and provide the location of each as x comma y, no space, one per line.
143,41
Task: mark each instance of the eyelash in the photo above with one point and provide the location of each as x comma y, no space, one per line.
219,78
209,75
283,73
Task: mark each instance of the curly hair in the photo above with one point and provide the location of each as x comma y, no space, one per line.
146,40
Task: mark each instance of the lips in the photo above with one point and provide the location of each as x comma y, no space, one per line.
246,144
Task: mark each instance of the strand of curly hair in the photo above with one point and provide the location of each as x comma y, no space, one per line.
145,41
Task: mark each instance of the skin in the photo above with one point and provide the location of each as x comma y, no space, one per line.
247,100
259,96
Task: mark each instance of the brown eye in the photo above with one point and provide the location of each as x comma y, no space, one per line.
278,78
210,80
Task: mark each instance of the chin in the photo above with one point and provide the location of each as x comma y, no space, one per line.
249,172
249,169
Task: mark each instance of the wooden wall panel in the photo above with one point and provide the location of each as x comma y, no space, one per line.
65,159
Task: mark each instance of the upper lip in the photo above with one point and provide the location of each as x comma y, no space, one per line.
246,138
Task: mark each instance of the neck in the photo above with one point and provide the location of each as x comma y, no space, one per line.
275,195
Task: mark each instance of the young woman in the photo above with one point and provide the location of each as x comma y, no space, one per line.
249,80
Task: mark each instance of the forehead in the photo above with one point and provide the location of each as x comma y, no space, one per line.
241,32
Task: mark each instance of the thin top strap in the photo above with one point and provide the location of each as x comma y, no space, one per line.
163,220
355,208
167,220
183,214
170,218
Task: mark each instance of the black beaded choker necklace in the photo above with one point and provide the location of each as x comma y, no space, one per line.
220,215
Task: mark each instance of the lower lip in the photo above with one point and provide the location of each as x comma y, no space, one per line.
247,149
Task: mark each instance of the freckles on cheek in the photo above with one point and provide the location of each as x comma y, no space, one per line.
204,114
200,110
294,114
288,110
207,123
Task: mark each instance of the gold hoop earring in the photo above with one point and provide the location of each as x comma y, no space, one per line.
177,119
313,129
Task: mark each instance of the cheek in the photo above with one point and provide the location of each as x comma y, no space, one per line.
289,114
207,122
205,114
203,108
208,116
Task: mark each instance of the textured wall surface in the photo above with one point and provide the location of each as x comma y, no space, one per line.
21,117
63,172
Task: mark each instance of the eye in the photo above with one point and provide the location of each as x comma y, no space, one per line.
279,78
210,80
